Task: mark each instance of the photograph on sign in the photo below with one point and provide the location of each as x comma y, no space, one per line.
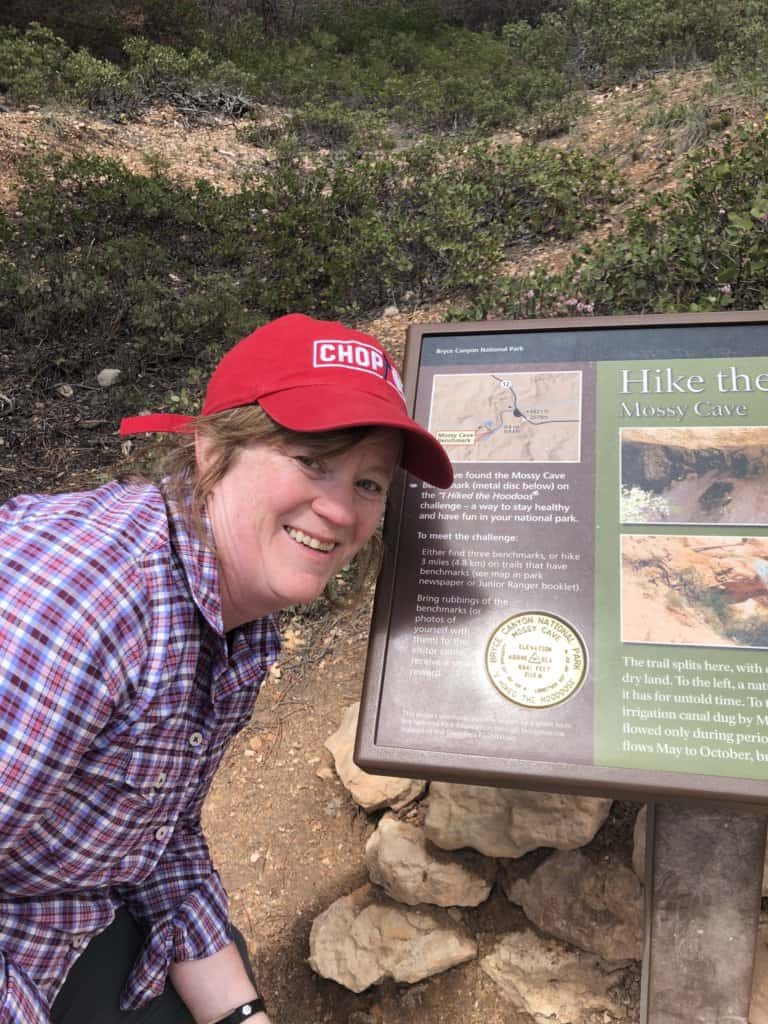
694,475
592,592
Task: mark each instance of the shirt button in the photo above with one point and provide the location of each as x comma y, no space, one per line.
79,941
161,779
162,833
195,739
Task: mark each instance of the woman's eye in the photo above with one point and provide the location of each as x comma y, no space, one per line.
309,462
371,486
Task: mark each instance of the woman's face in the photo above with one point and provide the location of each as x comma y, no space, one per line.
285,521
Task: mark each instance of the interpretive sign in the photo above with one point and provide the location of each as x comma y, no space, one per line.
586,608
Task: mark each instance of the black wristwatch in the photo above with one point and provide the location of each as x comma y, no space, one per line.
244,1012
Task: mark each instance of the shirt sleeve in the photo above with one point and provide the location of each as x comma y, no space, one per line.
54,701
20,1001
185,906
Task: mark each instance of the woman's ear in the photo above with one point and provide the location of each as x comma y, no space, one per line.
203,452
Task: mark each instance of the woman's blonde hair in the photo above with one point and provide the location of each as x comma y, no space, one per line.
183,482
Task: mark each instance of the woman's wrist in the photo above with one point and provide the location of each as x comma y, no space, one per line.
245,1012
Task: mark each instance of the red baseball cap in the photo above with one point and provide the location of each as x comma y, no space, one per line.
314,375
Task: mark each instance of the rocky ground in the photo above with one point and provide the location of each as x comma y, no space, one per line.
287,836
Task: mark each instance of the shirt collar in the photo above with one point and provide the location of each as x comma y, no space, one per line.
197,558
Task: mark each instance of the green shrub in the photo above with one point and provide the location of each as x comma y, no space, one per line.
602,42
744,54
538,193
39,67
704,247
110,262
31,64
101,27
330,125
97,258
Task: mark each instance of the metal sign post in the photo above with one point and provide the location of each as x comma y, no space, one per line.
704,868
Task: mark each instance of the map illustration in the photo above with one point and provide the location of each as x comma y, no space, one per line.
508,417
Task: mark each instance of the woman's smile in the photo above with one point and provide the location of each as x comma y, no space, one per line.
307,540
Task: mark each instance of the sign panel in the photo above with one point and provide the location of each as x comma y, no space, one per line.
587,607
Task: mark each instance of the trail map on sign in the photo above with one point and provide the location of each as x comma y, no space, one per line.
508,417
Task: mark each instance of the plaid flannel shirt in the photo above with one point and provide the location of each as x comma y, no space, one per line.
118,694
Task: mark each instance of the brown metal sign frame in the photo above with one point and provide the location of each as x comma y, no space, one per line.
381,750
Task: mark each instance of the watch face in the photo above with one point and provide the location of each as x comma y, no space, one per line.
536,659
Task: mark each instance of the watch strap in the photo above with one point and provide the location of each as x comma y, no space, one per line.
244,1012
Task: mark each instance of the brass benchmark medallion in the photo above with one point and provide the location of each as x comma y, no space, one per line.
536,659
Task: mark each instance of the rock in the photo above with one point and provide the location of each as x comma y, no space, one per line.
391,311
509,822
409,869
597,907
552,984
65,390
107,377
371,792
638,848
364,938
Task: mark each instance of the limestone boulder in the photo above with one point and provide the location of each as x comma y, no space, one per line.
371,792
595,906
364,938
510,822
553,984
411,870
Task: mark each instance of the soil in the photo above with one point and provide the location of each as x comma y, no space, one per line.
285,834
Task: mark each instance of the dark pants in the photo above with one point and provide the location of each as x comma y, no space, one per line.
91,993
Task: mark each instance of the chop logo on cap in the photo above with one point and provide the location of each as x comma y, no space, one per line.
356,355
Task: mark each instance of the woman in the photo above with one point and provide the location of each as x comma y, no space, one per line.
136,625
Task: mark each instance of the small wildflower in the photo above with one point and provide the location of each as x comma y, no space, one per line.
725,289
529,294
571,302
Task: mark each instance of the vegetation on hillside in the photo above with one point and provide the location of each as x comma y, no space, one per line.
355,209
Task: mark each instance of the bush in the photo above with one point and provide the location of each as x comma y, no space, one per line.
355,235
330,125
101,27
704,247
107,261
39,67
32,64
99,258
602,42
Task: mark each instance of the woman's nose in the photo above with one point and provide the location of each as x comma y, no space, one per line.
336,504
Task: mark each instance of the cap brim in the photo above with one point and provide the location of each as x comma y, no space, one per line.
317,408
